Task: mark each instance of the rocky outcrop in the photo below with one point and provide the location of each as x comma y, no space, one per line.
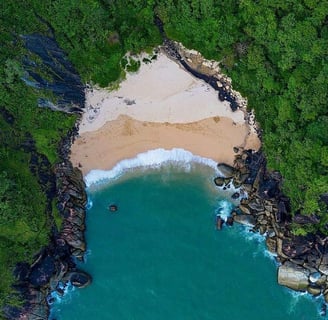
293,276
207,70
63,80
72,202
303,259
55,265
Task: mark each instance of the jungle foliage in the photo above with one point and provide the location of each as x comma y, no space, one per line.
275,51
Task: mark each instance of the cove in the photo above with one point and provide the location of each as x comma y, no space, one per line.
160,257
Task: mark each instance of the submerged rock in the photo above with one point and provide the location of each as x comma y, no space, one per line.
219,222
112,208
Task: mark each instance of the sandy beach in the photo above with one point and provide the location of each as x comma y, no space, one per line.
160,106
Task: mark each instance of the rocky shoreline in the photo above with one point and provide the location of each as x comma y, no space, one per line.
55,265
303,260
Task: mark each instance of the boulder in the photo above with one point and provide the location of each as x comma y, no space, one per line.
293,276
244,209
314,277
262,230
79,279
296,247
271,244
226,170
219,222
229,221
254,205
235,196
314,290
112,207
219,181
323,268
245,219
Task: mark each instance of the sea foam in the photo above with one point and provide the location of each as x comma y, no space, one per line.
151,159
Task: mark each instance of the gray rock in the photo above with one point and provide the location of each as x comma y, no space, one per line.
79,278
219,181
256,206
271,244
293,276
226,170
323,267
262,230
314,290
245,219
314,277
244,209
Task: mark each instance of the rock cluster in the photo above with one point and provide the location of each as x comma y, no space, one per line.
54,266
303,260
207,70
72,203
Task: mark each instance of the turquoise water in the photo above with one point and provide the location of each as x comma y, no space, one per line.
160,257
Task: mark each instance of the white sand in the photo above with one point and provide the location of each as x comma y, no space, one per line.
162,92
171,109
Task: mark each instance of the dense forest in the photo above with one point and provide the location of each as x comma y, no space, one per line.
276,52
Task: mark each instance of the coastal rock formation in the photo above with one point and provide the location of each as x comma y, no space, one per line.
54,266
35,282
303,259
72,202
293,276
63,80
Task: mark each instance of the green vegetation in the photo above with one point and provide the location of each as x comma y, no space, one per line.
29,138
275,51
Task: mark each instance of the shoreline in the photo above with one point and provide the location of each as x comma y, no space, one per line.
160,106
267,208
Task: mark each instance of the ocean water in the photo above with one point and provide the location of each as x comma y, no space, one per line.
160,256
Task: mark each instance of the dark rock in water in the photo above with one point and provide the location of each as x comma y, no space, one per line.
112,207
323,311
235,196
65,82
219,222
220,182
226,170
79,279
229,221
